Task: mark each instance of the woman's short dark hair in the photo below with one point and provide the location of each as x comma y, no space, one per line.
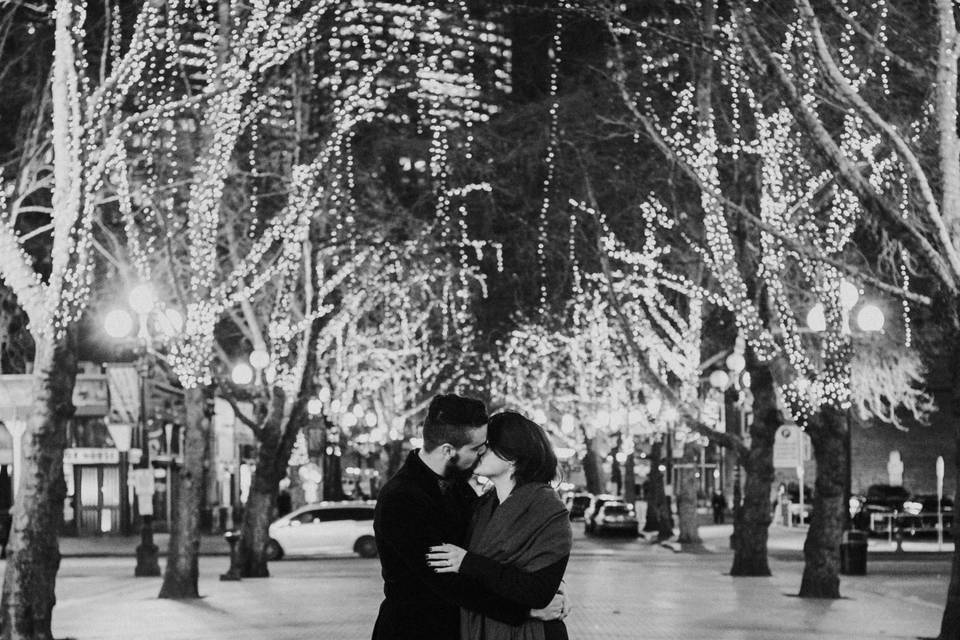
450,419
525,443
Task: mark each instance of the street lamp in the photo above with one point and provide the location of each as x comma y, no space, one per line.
869,319
242,374
259,359
119,323
314,406
735,375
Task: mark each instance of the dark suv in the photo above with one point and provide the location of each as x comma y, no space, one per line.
877,510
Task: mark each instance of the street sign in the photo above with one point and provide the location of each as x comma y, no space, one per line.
790,447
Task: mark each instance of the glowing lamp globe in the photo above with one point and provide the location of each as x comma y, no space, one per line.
849,294
242,373
621,456
816,319
349,420
567,423
358,411
870,318
314,406
118,323
736,362
142,299
370,419
259,359
324,394
719,379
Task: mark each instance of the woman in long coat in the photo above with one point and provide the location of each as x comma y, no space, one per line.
520,537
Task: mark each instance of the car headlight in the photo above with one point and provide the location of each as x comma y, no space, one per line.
912,508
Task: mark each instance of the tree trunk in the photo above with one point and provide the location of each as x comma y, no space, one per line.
752,520
332,478
395,460
29,581
950,623
687,490
250,559
629,479
182,573
591,468
659,518
821,551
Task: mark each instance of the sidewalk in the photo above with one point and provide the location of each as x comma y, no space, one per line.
653,594
621,588
716,538
125,546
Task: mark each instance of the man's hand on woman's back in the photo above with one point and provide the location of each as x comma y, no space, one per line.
558,609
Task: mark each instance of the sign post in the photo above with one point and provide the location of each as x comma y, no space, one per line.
939,503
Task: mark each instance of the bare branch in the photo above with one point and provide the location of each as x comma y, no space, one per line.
227,394
910,159
917,72
824,143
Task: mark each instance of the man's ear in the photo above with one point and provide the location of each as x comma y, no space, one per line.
448,449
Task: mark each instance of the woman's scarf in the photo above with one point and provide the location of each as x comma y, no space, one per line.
531,531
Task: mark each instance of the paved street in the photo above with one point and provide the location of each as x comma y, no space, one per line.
622,589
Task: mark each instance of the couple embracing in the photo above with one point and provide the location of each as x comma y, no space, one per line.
458,566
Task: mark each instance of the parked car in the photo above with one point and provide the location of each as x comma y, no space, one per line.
577,503
875,511
324,527
616,516
919,515
593,509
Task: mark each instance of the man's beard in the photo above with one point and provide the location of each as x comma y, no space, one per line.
453,472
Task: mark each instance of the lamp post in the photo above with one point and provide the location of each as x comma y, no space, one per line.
119,323
736,376
120,433
869,319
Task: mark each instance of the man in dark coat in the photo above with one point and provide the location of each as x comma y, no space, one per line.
429,502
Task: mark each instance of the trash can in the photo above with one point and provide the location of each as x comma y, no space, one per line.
853,553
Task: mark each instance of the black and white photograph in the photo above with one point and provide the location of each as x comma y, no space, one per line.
479,320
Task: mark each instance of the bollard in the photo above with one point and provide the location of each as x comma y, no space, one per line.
232,537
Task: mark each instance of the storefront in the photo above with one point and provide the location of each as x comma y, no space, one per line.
91,462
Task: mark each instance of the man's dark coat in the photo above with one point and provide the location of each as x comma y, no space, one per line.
412,515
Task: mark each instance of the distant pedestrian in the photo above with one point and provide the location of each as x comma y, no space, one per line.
426,504
719,504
